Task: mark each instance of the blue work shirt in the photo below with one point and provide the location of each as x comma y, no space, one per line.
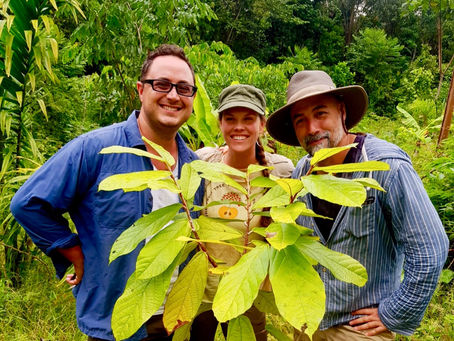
393,231
68,182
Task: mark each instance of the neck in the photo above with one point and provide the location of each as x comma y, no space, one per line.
339,157
163,138
239,160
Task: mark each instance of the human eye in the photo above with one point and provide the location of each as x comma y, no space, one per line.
184,89
162,85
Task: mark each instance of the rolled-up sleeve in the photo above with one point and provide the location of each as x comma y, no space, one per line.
420,233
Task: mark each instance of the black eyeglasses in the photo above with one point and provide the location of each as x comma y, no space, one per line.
161,85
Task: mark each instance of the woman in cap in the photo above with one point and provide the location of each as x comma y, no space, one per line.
242,121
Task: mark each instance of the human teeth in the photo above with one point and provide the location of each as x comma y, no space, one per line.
169,108
239,137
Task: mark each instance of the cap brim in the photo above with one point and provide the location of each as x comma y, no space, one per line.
240,104
279,124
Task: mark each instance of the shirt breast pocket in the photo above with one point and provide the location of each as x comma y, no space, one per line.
361,220
118,209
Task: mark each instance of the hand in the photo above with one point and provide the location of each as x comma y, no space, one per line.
76,257
370,323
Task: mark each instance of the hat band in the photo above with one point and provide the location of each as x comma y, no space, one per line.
308,91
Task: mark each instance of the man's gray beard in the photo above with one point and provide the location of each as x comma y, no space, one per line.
333,140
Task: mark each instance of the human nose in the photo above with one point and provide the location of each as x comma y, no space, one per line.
312,127
172,94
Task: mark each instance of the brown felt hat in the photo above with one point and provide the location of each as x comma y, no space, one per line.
242,95
306,84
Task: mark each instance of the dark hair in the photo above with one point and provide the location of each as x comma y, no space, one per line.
261,158
165,50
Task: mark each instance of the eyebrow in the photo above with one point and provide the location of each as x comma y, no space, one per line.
319,107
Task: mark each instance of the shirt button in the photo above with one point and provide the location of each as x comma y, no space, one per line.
324,269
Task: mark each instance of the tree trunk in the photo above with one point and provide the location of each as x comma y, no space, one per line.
446,124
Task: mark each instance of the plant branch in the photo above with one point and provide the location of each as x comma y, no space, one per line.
26,253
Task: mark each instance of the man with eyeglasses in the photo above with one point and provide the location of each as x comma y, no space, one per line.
68,182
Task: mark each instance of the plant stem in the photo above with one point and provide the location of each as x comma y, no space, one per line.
247,223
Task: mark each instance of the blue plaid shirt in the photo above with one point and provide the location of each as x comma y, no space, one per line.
68,182
393,230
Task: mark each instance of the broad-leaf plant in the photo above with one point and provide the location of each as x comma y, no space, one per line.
286,255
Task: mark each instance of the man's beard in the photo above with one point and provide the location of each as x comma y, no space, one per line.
331,140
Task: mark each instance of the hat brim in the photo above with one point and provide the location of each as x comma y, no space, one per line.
240,104
279,124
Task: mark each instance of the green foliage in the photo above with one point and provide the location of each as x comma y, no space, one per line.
288,252
378,64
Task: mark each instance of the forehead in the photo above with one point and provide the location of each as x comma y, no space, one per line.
313,103
170,68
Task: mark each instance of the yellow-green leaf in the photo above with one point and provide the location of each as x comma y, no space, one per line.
144,227
291,186
276,196
35,24
19,96
325,153
366,166
28,38
135,151
370,182
216,167
2,25
186,295
253,168
239,287
54,46
139,301
54,4
263,181
336,190
240,329
290,213
162,249
298,290
162,152
43,108
342,266
134,181
8,54
9,21
280,235
209,228
47,22
189,181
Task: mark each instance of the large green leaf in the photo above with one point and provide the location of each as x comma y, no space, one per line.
336,190
369,182
189,181
342,266
291,186
216,167
135,151
139,301
239,287
214,229
262,181
253,168
280,235
137,181
162,249
288,214
183,333
276,196
144,227
163,153
240,329
366,166
186,295
325,153
298,290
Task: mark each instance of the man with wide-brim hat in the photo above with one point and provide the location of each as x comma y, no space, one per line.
393,227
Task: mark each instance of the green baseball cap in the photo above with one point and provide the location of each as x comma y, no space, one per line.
242,95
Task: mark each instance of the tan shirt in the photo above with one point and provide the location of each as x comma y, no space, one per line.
225,254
